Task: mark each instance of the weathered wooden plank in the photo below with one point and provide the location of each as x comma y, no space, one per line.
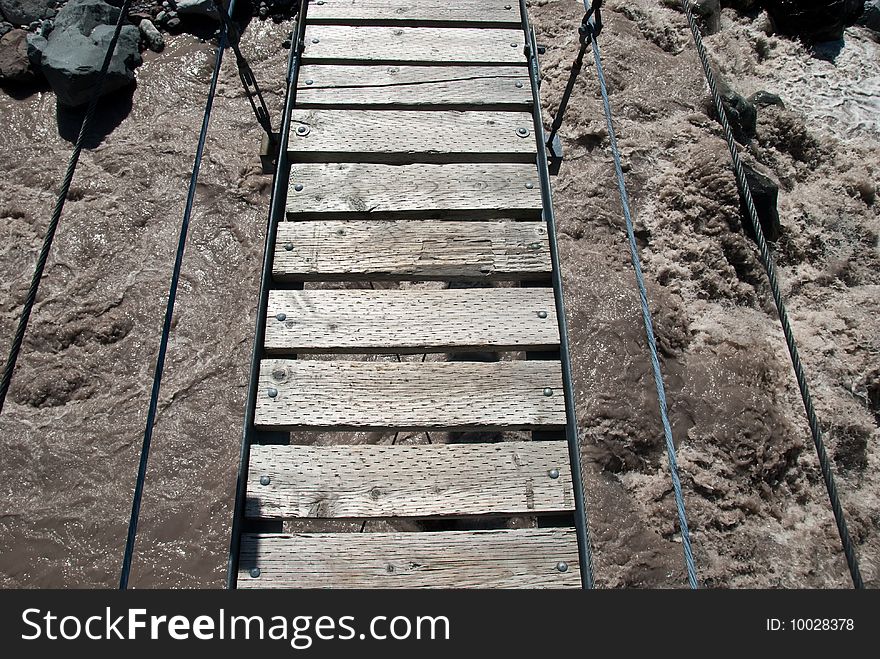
349,395
407,136
408,481
448,250
461,87
407,321
412,45
480,13
368,190
521,558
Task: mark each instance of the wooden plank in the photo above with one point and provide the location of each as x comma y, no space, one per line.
448,250
412,45
408,481
391,87
368,190
481,13
348,395
407,136
521,558
408,321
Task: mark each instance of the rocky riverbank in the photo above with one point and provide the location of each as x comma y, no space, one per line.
62,42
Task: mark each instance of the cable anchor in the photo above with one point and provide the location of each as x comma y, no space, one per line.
589,29
271,139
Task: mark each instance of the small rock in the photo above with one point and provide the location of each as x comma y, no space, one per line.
198,8
162,16
765,99
5,28
870,18
264,12
742,115
36,44
765,194
15,65
173,24
152,37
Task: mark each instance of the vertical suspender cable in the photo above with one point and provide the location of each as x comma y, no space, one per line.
169,313
770,268
646,317
72,162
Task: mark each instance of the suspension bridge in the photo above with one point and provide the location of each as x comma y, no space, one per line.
411,283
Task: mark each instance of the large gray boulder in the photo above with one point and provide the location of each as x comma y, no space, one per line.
871,16
814,20
74,52
25,12
205,8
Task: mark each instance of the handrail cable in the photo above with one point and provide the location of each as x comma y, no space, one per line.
590,28
49,237
169,313
770,268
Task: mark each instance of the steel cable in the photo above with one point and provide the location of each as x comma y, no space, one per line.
770,269
73,161
646,317
169,313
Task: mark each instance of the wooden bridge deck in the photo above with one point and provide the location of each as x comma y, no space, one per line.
413,158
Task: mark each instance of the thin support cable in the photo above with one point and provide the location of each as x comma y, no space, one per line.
770,268
169,313
572,433
73,161
649,326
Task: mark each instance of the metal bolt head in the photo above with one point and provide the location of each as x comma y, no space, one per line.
562,566
530,185
281,316
273,392
320,2
316,40
302,131
547,391
542,314
265,480
298,187
288,247
310,82
522,132
534,245
553,473
519,84
514,45
255,572
507,7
